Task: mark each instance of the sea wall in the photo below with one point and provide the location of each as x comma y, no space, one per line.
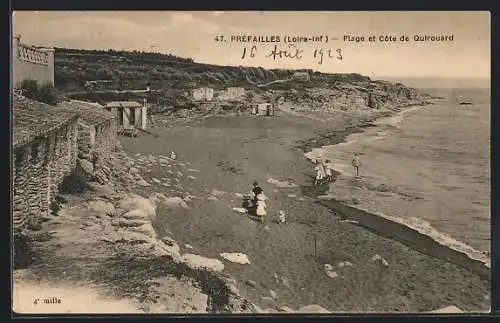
29,62
39,167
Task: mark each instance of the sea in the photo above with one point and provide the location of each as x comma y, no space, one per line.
427,167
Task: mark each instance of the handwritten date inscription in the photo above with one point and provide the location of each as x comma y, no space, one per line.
293,52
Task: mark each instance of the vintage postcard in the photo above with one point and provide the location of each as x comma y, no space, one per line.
250,162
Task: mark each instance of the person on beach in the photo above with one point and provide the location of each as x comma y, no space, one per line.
319,175
256,190
356,163
173,155
328,170
261,206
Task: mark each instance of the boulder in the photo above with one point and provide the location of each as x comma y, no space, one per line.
251,283
175,202
313,309
146,229
85,165
237,257
130,223
200,262
448,309
102,207
137,202
378,259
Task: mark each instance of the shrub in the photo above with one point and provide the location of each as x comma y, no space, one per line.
45,93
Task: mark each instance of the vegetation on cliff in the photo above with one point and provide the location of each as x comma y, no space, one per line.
172,77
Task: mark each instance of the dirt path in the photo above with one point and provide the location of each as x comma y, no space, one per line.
229,155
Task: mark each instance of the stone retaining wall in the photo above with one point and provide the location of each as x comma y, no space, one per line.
39,167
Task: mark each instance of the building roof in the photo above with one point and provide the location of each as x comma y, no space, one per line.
31,119
124,104
90,112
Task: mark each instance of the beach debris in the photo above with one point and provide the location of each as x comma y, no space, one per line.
238,195
181,164
281,216
170,172
313,309
198,262
292,195
212,198
281,184
267,298
251,283
240,210
191,177
344,264
193,170
236,257
377,258
165,184
273,294
188,246
180,174
329,271
156,180
448,309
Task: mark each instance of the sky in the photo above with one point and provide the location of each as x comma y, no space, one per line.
192,34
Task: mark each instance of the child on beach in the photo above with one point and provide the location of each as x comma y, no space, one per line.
261,206
356,163
328,170
319,175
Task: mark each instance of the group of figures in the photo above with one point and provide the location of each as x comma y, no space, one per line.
324,170
256,202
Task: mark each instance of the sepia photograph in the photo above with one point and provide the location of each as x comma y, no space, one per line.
258,162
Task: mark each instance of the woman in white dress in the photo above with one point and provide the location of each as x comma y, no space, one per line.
261,206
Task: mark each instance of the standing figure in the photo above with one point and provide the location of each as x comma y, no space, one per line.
356,163
319,176
256,190
328,170
261,206
173,156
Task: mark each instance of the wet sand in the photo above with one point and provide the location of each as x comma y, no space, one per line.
232,152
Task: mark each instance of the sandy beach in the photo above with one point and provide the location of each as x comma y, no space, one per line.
217,161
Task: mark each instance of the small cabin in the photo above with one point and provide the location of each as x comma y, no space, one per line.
263,109
203,94
129,114
302,76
